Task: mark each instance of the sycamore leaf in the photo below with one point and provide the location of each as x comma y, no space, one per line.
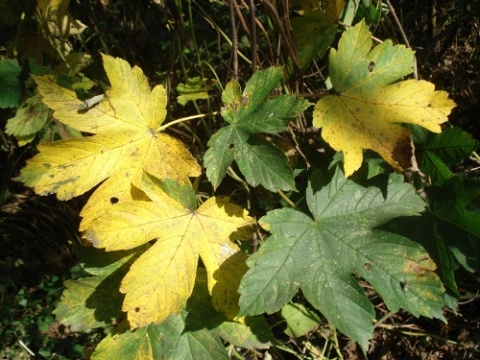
161,280
369,101
260,161
320,255
126,141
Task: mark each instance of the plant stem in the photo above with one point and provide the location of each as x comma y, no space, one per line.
161,128
288,201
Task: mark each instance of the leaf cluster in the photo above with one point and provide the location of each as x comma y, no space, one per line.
174,268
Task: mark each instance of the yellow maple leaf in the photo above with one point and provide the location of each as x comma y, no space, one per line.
162,279
127,140
368,102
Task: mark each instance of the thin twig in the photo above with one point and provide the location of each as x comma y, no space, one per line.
234,39
241,18
397,20
283,34
267,38
254,35
404,36
470,300
297,146
287,200
383,319
25,347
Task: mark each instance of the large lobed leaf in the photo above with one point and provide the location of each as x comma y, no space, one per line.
161,280
369,101
261,162
320,255
126,142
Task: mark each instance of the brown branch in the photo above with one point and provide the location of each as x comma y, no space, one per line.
234,39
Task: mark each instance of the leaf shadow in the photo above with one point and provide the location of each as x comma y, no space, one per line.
200,313
110,310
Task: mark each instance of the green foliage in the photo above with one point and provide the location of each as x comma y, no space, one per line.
314,28
29,120
441,152
175,277
11,86
26,316
247,114
300,320
320,255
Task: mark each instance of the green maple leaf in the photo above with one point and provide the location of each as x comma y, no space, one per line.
260,161
320,254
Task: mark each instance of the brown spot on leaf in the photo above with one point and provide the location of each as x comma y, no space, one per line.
403,152
421,267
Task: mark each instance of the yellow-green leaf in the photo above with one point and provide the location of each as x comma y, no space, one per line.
370,103
126,141
162,279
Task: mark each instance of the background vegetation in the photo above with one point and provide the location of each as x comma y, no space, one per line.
190,48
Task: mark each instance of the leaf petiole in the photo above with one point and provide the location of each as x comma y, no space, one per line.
287,200
161,128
